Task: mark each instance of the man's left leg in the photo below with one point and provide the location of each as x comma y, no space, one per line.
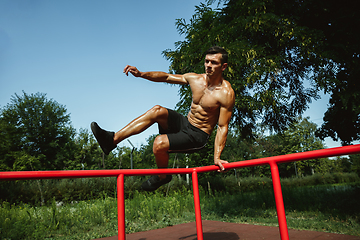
161,152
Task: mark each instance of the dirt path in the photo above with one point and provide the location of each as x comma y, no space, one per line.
229,231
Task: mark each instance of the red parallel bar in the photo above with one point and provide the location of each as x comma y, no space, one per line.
323,153
284,234
27,175
121,207
195,183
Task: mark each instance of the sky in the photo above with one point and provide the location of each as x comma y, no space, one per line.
75,52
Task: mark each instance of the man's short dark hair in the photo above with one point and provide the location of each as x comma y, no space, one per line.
217,49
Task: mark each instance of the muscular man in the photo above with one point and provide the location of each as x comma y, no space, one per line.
212,103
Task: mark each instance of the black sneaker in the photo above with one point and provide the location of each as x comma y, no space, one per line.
104,138
155,182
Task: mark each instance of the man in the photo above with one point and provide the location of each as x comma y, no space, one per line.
212,103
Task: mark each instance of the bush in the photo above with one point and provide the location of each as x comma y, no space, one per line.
319,179
37,192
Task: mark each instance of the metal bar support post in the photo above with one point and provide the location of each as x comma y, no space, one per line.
284,234
195,183
121,207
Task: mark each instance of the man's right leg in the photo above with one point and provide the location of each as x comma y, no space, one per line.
109,140
157,114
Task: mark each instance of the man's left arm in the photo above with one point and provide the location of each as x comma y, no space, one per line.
222,131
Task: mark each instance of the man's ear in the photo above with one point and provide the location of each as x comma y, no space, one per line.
224,66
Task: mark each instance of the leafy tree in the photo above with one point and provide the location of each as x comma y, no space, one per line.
264,69
86,153
238,149
338,22
274,47
124,158
300,137
35,133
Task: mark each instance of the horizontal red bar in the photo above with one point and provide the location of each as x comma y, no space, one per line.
323,153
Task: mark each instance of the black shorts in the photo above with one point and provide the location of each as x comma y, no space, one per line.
183,137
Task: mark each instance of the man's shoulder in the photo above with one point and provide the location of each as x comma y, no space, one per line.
228,87
228,93
194,76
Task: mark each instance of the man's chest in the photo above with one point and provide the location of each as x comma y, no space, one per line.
207,99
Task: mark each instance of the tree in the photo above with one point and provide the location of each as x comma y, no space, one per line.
86,153
274,47
338,23
300,137
34,128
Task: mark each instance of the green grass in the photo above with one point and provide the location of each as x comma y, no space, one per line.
326,208
322,208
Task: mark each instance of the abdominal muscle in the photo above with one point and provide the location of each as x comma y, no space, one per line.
204,120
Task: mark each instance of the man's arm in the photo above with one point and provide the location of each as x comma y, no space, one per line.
223,128
157,76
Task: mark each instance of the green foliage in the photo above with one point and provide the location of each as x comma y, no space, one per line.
65,190
73,190
338,22
300,137
37,129
86,154
355,160
268,60
274,47
154,210
325,208
73,221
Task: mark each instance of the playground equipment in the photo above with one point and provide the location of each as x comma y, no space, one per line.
272,161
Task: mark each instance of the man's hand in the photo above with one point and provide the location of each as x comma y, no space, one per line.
220,163
133,70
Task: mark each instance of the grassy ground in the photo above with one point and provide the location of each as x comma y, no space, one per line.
322,208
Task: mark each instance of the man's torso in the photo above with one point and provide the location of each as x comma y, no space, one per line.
206,103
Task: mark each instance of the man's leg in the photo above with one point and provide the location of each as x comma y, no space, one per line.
161,145
157,114
109,140
160,150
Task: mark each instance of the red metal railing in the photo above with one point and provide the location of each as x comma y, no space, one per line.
272,161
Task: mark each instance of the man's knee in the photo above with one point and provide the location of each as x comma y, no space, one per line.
161,144
160,115
158,111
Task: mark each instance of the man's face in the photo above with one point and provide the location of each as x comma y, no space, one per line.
213,66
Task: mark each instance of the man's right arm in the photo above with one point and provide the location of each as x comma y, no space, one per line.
157,76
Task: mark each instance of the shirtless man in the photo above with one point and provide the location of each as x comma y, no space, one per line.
212,103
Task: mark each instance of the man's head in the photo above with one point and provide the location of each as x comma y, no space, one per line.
217,49
215,61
